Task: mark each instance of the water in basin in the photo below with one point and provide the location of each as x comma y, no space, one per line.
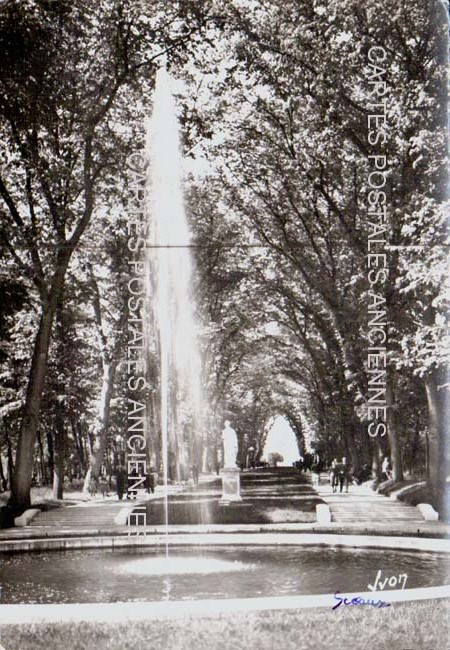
142,574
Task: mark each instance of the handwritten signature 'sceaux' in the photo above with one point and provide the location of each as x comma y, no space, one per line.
358,600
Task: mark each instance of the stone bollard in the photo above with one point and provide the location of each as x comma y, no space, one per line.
428,512
323,514
26,517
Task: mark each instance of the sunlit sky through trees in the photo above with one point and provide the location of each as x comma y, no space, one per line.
281,439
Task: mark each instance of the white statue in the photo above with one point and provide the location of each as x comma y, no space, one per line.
230,445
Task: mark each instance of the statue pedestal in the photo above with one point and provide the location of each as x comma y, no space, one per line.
231,491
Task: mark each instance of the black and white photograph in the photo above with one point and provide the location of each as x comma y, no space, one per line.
224,325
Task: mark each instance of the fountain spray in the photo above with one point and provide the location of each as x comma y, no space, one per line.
171,273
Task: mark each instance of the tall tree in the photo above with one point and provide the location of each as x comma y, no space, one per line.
69,78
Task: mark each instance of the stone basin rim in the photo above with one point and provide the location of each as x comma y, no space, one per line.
374,542
154,610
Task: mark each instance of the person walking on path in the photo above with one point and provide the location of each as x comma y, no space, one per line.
347,472
342,474
334,475
93,487
386,473
316,468
103,484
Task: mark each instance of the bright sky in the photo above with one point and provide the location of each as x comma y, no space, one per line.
282,439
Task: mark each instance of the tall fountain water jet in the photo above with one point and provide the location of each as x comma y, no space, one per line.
170,280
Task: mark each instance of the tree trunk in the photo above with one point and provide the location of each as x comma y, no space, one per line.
2,474
350,444
415,463
20,498
157,439
21,485
60,429
101,430
438,397
437,383
150,433
78,438
377,454
60,449
42,458
9,453
350,426
365,447
50,454
392,430
110,359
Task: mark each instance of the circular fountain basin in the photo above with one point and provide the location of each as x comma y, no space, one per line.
211,572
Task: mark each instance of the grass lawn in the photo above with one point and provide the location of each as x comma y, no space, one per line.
405,626
44,495
413,491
